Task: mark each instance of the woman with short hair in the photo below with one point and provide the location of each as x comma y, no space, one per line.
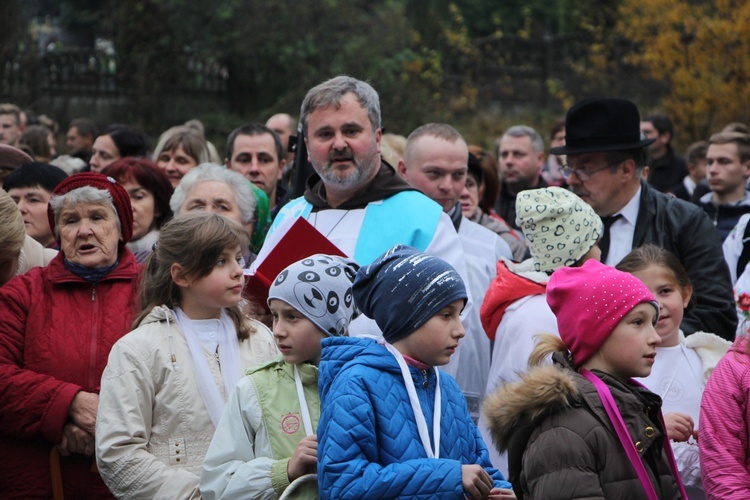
179,150
31,186
149,190
57,326
118,141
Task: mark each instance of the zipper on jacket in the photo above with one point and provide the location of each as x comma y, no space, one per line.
93,383
424,382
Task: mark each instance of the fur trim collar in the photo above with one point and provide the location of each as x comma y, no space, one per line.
541,391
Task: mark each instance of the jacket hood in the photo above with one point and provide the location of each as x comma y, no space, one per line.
513,282
543,390
709,347
157,315
341,354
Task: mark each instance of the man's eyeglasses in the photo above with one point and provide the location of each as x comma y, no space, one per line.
583,174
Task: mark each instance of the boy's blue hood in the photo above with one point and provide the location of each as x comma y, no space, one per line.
344,353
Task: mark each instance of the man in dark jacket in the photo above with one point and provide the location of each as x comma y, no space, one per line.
667,169
606,157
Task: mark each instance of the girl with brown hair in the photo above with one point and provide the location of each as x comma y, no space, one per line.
166,382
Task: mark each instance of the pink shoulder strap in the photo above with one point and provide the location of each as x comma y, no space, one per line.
622,433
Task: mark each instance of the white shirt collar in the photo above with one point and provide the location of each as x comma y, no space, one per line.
630,211
622,231
689,184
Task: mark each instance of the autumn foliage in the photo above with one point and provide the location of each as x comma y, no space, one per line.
700,50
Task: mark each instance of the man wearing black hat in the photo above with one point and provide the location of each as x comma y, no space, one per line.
605,161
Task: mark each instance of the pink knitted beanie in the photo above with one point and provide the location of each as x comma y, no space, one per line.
589,301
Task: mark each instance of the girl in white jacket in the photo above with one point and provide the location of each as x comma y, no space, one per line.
166,382
682,365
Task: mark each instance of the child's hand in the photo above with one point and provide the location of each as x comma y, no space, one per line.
679,426
501,493
476,481
305,458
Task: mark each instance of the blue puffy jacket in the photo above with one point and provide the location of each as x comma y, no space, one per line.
369,445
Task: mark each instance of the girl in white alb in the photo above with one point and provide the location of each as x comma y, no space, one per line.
683,364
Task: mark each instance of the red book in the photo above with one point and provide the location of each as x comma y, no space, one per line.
293,240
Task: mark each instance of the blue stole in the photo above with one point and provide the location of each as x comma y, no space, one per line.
407,218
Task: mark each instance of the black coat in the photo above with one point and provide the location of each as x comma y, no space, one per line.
505,206
667,171
685,230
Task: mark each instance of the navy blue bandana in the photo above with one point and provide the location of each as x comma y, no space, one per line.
90,274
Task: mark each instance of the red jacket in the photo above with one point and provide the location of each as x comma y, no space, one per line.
56,331
506,288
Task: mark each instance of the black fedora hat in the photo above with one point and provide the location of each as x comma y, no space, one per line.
602,124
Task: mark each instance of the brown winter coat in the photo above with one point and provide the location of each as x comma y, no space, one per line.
561,443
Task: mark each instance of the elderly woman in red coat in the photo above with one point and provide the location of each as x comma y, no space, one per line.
57,326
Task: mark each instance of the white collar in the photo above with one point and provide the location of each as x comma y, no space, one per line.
689,184
630,211
229,362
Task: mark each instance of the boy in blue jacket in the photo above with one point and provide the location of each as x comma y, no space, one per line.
392,425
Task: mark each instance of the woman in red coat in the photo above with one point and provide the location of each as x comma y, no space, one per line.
57,326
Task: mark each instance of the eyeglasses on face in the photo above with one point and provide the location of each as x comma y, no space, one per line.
582,173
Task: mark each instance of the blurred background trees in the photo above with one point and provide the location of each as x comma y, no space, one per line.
480,64
700,51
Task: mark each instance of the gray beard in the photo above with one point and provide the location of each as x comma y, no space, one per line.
356,178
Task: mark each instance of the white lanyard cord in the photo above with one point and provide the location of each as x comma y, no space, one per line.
417,409
305,412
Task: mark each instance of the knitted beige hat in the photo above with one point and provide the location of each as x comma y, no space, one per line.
559,227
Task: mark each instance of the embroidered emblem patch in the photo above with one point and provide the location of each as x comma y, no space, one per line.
290,423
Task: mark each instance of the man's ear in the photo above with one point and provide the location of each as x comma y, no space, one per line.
178,276
282,164
746,164
401,168
665,138
687,293
540,159
628,169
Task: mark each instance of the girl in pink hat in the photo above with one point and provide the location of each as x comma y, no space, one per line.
581,427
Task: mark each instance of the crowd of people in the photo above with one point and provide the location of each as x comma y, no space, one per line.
528,322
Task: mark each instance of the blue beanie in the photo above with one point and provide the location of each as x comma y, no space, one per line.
403,288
